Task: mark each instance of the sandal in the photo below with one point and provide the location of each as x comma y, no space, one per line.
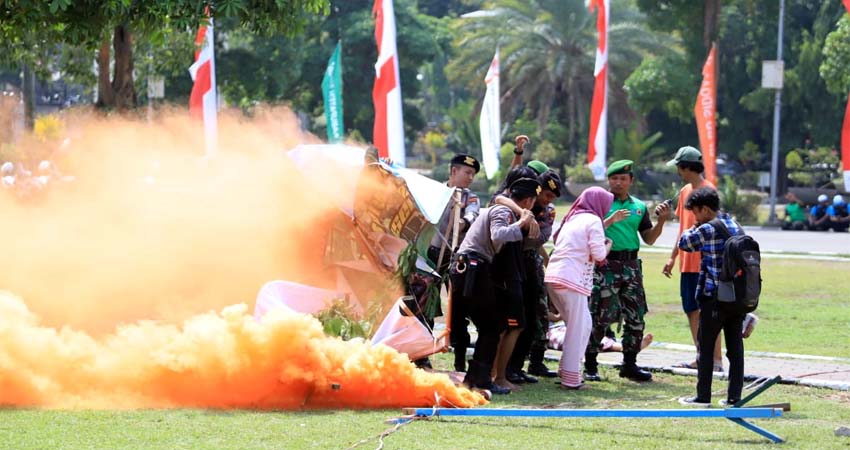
686,365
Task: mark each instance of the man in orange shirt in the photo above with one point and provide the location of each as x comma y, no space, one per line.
688,162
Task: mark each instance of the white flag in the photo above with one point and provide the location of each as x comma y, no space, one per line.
490,122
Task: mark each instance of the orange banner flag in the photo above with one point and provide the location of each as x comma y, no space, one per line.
705,111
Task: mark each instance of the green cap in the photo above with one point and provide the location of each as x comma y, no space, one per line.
686,153
621,166
538,166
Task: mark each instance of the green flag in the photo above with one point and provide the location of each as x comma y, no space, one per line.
332,92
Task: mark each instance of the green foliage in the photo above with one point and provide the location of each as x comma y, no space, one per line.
742,206
812,168
835,66
663,83
579,173
793,160
547,49
341,321
633,145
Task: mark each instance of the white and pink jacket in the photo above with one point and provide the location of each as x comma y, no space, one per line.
580,243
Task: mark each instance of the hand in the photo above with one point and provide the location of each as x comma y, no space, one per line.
521,140
533,229
662,211
668,268
608,244
618,216
525,218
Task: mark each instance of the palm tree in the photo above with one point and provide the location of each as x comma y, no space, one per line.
548,50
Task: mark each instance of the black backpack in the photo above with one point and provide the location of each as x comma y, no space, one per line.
739,285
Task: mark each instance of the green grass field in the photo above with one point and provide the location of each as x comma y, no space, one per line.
803,310
803,307
815,413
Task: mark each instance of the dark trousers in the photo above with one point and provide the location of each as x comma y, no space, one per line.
711,321
481,306
531,300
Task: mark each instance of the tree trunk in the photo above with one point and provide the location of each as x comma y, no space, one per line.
122,82
28,94
573,131
105,96
711,23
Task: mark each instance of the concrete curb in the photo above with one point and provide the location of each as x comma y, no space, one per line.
809,382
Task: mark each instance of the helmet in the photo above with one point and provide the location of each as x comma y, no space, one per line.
8,168
822,198
838,199
44,166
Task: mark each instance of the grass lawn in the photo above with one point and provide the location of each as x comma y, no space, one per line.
815,413
803,310
803,306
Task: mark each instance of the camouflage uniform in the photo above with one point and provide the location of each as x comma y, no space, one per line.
618,294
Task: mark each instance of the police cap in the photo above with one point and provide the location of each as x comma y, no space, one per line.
620,167
525,187
550,180
462,159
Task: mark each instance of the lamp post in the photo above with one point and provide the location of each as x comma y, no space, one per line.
777,104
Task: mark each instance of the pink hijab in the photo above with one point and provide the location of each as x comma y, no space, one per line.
593,200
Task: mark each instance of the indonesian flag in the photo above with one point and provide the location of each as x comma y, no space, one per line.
705,110
202,100
845,143
388,132
845,135
490,121
597,142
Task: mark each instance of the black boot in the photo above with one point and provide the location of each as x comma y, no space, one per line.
591,368
630,370
535,363
478,377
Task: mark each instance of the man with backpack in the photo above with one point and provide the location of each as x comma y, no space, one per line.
730,261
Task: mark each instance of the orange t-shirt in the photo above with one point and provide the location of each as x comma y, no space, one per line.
688,261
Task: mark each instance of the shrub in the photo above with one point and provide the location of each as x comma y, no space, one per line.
742,206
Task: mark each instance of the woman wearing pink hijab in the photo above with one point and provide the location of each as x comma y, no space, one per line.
579,243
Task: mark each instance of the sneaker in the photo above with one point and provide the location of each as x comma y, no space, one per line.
694,401
542,371
592,376
725,402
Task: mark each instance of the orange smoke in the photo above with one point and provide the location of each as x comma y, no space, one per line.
225,360
150,235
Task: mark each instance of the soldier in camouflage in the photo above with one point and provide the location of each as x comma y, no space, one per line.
618,282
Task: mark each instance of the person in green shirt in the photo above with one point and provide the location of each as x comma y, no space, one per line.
795,214
618,282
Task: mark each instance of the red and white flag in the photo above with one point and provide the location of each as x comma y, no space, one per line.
203,104
845,134
388,132
705,112
598,140
845,145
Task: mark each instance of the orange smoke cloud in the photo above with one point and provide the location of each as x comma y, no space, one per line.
225,360
150,235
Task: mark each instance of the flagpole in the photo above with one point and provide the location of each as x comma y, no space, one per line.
777,105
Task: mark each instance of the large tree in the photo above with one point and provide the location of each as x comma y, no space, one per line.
548,50
109,27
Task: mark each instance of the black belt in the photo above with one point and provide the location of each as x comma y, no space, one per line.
623,255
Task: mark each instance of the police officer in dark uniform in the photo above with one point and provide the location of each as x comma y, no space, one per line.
618,283
461,173
532,290
475,282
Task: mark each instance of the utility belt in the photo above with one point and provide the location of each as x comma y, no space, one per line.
623,255
468,265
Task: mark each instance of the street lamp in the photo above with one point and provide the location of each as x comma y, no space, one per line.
777,104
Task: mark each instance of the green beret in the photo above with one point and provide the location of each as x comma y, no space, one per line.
621,166
538,166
